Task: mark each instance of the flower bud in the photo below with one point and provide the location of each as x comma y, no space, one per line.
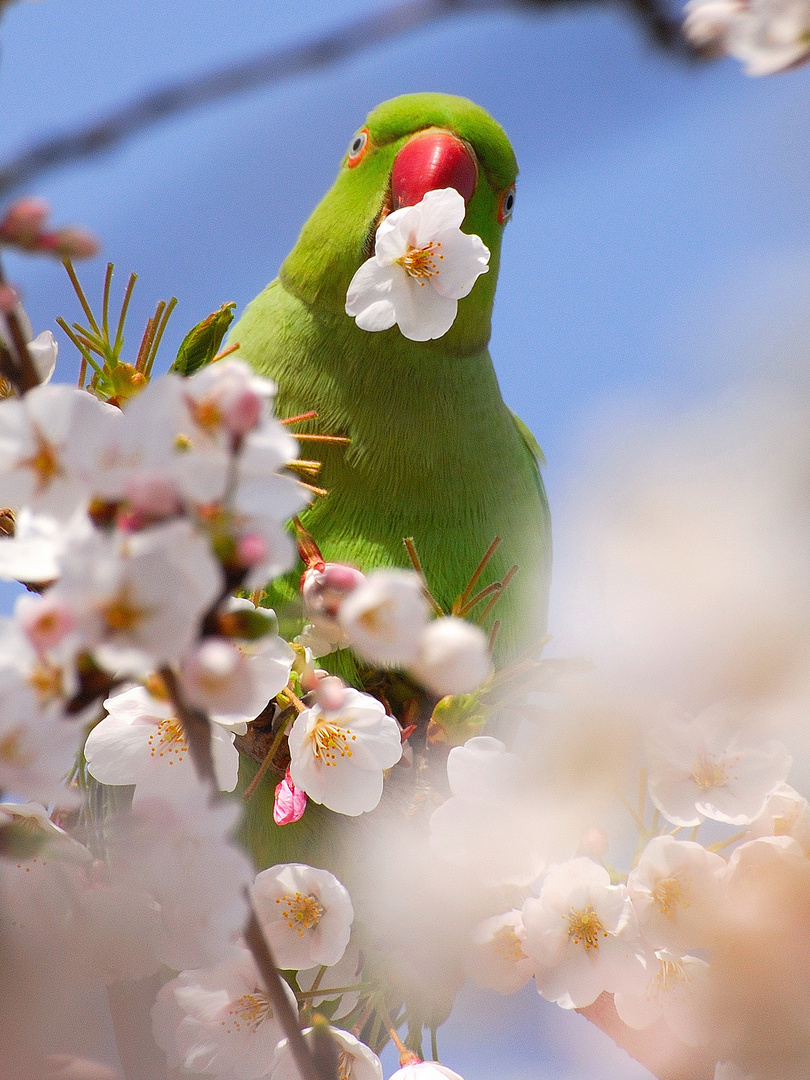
453,657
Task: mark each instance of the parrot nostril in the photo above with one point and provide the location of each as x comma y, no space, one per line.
432,160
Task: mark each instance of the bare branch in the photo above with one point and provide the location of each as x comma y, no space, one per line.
274,65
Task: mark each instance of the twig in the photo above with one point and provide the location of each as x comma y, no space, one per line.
197,728
274,985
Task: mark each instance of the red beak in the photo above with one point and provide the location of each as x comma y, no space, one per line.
429,161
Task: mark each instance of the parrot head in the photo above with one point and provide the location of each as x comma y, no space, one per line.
409,146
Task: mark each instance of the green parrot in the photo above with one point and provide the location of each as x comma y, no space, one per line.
434,453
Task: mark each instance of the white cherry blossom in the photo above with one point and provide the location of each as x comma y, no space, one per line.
786,813
35,551
338,754
384,617
708,768
425,1070
348,971
305,913
423,264
218,1021
181,854
234,680
138,599
677,989
453,657
46,446
355,1060
582,935
675,889
495,825
140,741
768,36
496,958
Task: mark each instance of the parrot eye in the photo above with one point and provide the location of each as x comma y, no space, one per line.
358,147
507,205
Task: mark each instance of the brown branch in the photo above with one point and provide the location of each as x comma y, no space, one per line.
286,1015
655,1047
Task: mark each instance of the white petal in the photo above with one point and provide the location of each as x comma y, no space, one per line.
440,210
463,259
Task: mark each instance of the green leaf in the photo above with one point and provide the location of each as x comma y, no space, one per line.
202,343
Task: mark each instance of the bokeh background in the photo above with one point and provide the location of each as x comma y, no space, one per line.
658,258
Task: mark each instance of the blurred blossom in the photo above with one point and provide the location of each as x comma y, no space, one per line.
496,958
35,551
676,990
707,768
46,441
305,913
218,1021
383,618
355,1060
768,36
234,681
453,657
338,754
138,600
582,935
675,889
495,825
180,853
323,592
140,741
786,813
760,967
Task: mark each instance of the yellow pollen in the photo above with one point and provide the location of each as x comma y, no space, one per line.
46,681
668,976
421,263
44,461
330,741
182,442
248,1013
584,926
206,413
507,944
708,772
301,912
13,751
670,894
121,614
345,1064
168,739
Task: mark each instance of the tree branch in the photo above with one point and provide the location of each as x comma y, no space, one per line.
274,65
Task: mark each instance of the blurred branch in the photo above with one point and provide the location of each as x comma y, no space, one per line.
274,65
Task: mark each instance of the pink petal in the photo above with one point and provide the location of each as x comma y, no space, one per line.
290,802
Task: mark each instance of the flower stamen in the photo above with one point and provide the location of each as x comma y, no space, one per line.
167,739
421,263
670,894
584,926
330,740
301,912
248,1012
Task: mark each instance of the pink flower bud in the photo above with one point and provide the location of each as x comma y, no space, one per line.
23,220
70,243
594,842
331,693
325,590
241,412
290,802
251,549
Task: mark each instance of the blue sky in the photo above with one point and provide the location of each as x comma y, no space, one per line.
658,250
